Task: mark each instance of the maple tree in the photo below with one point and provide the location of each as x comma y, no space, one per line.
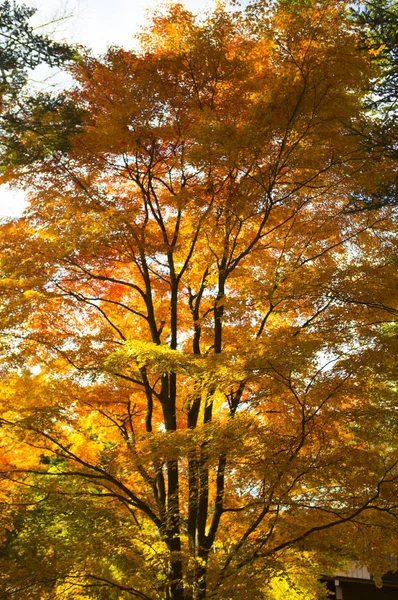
198,333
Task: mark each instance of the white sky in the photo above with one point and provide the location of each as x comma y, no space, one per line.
100,23
96,24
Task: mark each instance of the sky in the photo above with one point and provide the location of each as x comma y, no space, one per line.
100,23
93,23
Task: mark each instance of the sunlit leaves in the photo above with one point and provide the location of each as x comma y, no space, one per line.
200,329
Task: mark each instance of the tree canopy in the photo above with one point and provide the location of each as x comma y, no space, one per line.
199,334
21,49
378,21
23,113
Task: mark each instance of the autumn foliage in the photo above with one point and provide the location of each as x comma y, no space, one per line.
198,323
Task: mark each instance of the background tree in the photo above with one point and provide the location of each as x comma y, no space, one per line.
21,49
379,34
198,335
23,113
379,22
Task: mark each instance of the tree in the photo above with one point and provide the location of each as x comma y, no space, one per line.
22,49
379,21
198,335
379,34
21,113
